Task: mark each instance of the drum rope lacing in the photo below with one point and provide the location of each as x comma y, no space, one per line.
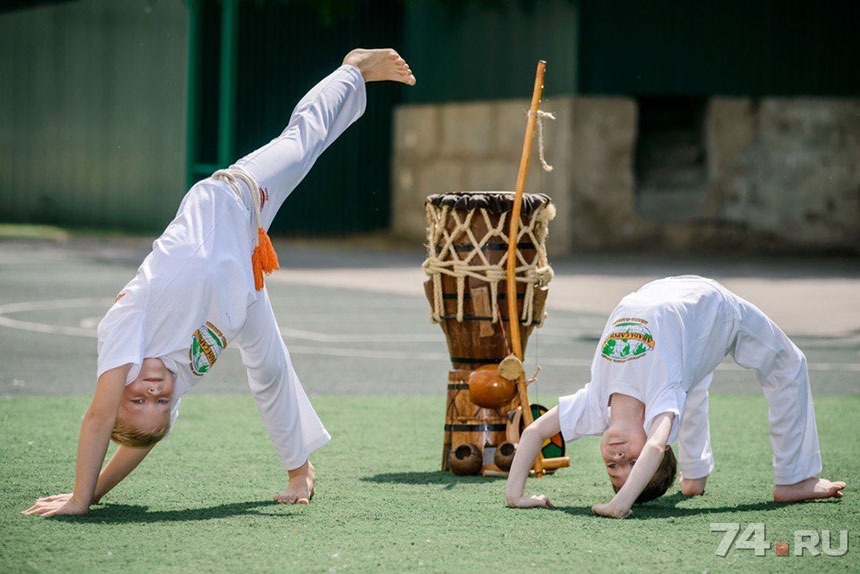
443,259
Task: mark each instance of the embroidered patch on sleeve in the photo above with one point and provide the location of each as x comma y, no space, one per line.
207,343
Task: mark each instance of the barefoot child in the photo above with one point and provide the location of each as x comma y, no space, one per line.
649,387
198,291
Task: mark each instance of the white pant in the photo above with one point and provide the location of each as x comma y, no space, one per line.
317,121
758,343
278,167
782,373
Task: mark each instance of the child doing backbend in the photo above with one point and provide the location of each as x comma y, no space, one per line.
649,387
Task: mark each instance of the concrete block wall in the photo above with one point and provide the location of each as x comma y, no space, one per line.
782,174
797,178
475,147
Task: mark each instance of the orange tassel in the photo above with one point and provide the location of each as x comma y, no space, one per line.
257,265
264,259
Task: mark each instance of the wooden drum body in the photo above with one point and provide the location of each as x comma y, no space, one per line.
467,242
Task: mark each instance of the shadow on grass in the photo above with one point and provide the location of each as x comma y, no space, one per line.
130,513
667,507
439,477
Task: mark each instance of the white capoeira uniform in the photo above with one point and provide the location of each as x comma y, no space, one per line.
661,345
194,293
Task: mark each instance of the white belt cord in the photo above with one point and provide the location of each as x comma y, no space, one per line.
264,260
232,178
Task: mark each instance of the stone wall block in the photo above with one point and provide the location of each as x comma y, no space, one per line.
511,120
602,149
413,182
490,175
798,180
467,130
729,129
783,173
558,182
416,130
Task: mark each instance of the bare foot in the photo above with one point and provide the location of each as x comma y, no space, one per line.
300,489
380,65
693,486
809,489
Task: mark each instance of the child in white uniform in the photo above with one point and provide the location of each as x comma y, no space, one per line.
197,292
649,387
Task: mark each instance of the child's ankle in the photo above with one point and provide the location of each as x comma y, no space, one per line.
301,471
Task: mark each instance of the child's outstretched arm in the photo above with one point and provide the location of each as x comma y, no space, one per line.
531,441
93,443
644,469
123,461
120,465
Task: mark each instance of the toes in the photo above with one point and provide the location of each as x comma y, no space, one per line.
291,498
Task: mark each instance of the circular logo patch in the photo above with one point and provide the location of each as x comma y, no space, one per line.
629,339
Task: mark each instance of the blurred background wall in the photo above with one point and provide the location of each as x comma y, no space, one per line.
726,125
110,109
92,112
681,124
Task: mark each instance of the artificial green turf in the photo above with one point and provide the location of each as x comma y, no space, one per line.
202,501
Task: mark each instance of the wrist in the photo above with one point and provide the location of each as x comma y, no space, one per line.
77,501
620,505
513,495
619,509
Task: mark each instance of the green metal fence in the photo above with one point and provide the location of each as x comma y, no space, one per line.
720,47
250,63
92,113
105,118
108,110
485,50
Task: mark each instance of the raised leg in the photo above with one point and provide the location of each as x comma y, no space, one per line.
318,120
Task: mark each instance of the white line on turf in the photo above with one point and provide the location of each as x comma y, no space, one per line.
87,326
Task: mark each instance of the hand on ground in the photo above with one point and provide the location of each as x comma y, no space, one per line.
57,505
609,510
536,501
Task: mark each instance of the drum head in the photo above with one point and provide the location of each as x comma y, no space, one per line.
496,202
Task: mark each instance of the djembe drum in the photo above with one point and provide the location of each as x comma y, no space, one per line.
467,243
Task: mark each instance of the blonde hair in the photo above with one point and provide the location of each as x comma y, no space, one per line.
129,435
